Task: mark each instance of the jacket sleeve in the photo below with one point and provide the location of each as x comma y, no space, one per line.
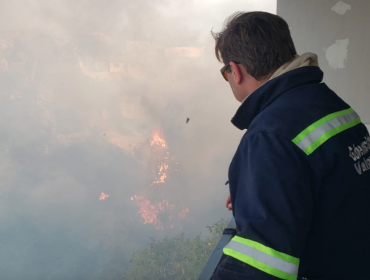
271,187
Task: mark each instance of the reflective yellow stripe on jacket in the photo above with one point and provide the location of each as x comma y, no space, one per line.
263,258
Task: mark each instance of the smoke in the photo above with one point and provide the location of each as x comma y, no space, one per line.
83,85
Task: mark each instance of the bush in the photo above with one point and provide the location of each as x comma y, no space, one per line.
175,258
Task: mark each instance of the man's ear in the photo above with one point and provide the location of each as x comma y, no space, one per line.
236,73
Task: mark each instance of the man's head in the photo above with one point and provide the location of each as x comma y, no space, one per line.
254,45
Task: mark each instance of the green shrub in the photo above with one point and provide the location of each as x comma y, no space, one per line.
175,258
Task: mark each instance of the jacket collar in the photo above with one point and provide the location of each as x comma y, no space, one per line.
271,90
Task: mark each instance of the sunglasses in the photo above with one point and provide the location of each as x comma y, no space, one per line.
224,71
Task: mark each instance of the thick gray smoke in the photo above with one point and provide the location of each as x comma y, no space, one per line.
83,86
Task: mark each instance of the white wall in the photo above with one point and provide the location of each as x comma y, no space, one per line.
337,31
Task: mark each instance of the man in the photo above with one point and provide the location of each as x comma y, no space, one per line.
300,178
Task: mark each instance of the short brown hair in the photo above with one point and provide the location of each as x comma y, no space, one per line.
260,41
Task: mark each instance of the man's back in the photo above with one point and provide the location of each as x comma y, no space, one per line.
300,180
338,152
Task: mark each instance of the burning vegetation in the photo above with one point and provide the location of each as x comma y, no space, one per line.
154,208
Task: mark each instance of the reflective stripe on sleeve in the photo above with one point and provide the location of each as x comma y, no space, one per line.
319,132
263,258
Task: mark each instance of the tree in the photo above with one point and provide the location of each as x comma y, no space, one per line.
175,258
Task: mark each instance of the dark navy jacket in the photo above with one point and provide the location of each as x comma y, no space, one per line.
299,185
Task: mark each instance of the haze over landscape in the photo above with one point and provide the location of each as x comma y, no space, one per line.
115,127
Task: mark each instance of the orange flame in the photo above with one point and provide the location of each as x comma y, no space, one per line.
150,211
147,210
161,172
103,196
158,141
162,214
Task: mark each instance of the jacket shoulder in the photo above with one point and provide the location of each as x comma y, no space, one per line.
297,109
